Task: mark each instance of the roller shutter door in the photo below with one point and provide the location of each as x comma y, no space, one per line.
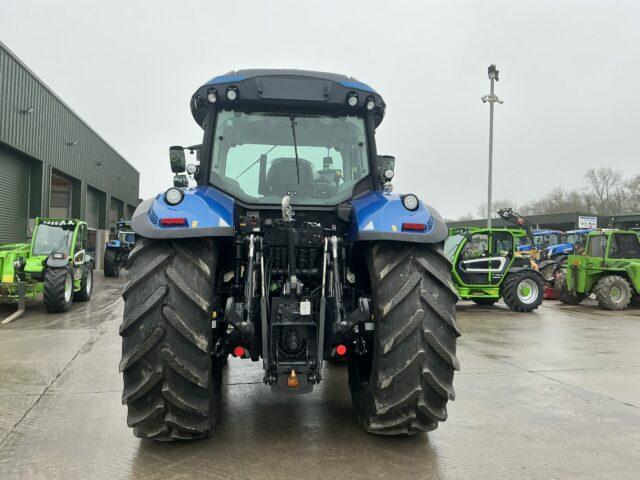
114,211
14,191
93,207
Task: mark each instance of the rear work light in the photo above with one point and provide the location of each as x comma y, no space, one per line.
414,227
173,222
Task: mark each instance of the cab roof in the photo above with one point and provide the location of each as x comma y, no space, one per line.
288,89
545,231
240,75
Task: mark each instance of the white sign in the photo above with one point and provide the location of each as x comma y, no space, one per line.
587,222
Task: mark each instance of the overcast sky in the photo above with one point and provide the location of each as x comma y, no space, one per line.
570,79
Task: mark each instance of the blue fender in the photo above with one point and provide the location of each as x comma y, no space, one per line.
381,216
560,249
206,211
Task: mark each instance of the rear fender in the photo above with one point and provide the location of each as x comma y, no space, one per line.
381,215
522,269
57,262
207,212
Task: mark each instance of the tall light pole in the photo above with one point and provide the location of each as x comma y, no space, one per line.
491,98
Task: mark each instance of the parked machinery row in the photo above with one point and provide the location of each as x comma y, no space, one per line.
524,265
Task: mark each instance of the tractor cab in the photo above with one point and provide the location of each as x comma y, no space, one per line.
578,239
542,239
613,245
122,234
58,240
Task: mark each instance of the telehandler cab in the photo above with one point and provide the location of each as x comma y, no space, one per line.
487,266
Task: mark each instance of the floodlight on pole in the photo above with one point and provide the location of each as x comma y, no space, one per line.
491,98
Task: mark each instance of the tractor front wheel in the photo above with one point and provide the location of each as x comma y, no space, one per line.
562,292
86,285
523,291
58,289
613,292
402,385
171,384
111,266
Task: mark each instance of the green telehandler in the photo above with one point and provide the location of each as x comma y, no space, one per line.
487,266
55,264
608,268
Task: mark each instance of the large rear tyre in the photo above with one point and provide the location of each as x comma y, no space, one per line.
523,291
58,289
562,292
401,387
613,292
171,384
485,302
111,266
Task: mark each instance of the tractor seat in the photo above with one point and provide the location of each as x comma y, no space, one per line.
282,177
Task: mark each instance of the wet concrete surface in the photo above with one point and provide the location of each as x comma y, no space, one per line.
554,394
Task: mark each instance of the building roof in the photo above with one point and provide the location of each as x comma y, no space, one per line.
62,102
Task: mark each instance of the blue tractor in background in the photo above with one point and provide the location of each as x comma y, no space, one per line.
118,248
557,245
289,250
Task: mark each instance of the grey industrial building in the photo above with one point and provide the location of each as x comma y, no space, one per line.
52,163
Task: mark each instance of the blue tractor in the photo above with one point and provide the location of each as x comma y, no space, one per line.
558,245
289,250
118,248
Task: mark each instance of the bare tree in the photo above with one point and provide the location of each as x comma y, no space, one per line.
632,194
558,200
496,205
466,217
606,193
605,186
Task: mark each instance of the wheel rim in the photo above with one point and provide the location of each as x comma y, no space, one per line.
616,293
88,283
68,288
527,291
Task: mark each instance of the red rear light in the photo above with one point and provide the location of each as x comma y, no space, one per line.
414,227
238,351
173,222
341,350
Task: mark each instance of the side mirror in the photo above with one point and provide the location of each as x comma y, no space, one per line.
386,165
176,157
180,181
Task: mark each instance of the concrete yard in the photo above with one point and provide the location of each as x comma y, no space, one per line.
553,394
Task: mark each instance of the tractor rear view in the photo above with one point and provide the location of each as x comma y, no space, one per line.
608,268
291,249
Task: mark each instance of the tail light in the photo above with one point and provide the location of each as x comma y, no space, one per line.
173,222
